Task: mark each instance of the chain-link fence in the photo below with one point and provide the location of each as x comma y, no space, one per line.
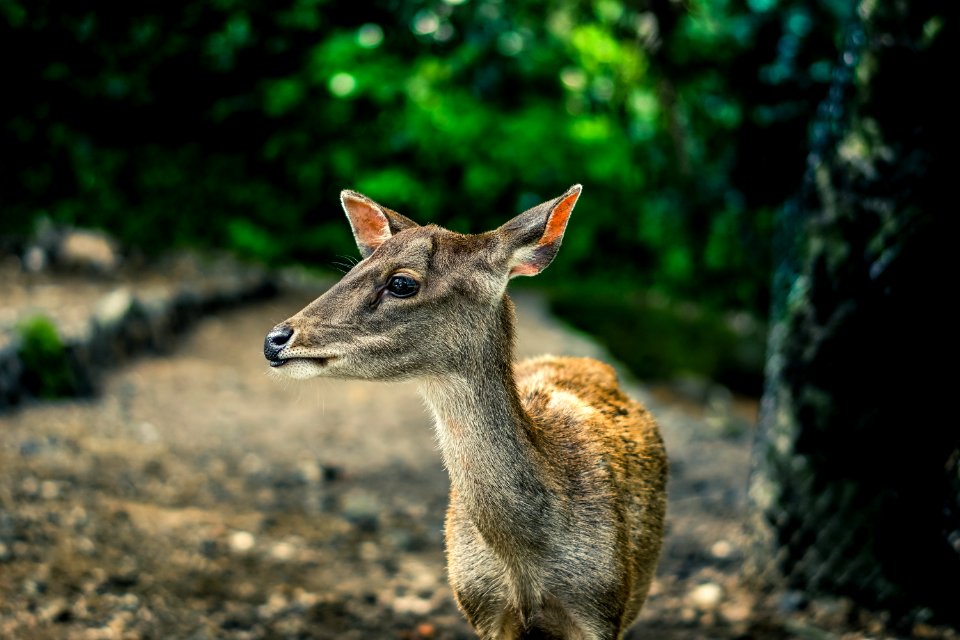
856,481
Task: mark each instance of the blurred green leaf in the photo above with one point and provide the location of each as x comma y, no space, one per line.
280,96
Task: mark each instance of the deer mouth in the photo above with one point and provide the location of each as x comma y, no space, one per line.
279,362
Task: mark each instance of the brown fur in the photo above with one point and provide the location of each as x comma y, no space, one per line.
558,478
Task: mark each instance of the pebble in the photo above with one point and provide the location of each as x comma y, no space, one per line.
77,518
276,603
30,448
706,596
111,309
56,610
129,602
401,539
85,546
283,551
310,471
242,541
412,605
369,551
49,490
147,433
737,612
29,486
84,249
362,509
722,549
251,464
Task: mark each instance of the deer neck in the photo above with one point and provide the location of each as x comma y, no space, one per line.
484,437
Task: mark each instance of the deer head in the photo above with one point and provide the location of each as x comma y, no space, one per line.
423,300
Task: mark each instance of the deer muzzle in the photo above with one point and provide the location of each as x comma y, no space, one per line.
278,338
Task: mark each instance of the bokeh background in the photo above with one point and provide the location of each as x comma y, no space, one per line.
766,207
235,125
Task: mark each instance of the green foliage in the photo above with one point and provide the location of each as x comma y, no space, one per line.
236,123
47,369
662,340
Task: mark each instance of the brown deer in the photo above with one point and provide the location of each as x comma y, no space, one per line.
558,479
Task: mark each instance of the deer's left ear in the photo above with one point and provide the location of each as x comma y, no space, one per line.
372,224
533,237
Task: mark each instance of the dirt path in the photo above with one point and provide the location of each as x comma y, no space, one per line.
200,497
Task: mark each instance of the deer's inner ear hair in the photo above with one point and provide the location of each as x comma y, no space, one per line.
402,286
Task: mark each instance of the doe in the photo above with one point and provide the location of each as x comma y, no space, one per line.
558,479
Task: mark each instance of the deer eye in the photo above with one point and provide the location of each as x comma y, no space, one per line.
402,286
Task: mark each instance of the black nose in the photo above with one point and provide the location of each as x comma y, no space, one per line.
275,341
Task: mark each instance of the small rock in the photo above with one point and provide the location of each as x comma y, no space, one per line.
112,308
30,448
251,464
707,596
120,622
49,490
401,539
83,249
34,587
722,549
129,602
288,627
5,553
369,552
85,546
147,433
209,548
55,611
275,604
310,471
98,633
305,598
77,518
283,551
736,612
35,259
362,509
242,541
30,486
80,609
412,605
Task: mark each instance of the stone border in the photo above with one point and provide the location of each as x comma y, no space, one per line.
128,320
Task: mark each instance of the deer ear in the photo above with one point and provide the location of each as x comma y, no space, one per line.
371,223
533,237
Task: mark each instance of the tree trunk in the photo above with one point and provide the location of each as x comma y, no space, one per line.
856,480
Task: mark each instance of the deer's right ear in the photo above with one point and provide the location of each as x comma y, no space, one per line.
372,224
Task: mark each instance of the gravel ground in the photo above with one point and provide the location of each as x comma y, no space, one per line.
200,497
